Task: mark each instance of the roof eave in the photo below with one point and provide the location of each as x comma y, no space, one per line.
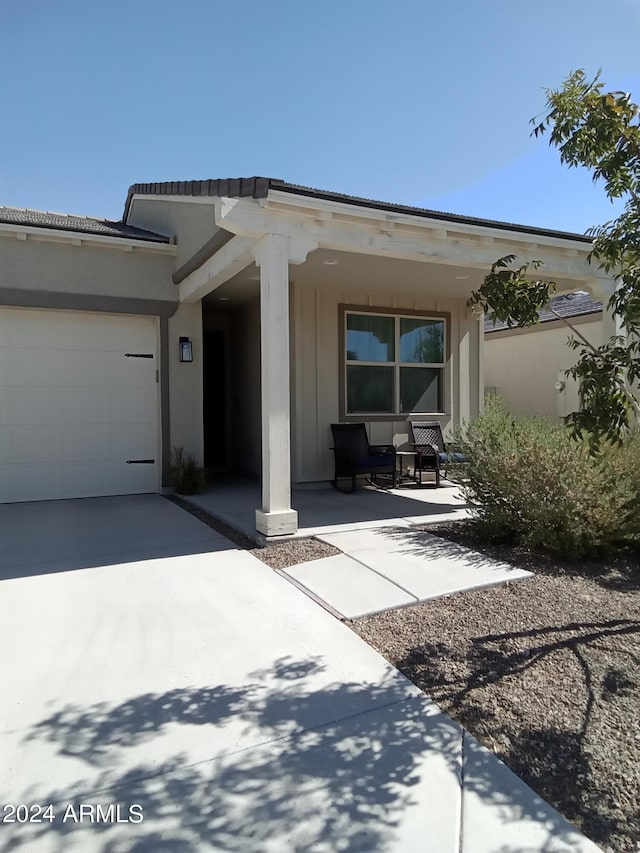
259,187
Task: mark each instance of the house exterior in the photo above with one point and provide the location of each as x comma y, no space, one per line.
527,367
302,307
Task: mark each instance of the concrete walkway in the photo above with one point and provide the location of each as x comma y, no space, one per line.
393,567
203,693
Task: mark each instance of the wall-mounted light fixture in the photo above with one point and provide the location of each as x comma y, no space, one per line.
559,385
186,350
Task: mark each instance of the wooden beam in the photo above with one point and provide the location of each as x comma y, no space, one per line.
228,261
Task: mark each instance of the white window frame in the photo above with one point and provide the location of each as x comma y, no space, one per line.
396,364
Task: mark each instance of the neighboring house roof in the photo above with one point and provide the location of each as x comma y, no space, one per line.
566,305
82,224
258,187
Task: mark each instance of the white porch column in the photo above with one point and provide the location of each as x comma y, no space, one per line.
466,363
276,516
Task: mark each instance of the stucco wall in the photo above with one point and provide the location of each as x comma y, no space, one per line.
185,381
35,265
523,365
316,371
192,224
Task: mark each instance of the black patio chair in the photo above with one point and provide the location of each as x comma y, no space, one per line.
431,450
354,456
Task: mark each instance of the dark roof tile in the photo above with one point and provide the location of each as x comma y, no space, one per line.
566,305
81,224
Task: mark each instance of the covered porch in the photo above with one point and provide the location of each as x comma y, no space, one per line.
322,510
295,299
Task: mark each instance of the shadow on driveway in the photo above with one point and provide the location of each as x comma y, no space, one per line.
57,536
348,784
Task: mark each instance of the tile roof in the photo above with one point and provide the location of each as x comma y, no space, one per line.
567,305
258,187
82,224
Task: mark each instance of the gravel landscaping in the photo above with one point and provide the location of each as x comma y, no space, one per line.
545,672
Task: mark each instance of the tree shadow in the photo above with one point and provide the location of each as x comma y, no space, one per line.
430,547
300,779
555,761
618,570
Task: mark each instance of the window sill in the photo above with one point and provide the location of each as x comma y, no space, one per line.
393,416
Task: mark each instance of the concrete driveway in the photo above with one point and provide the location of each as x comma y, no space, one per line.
164,691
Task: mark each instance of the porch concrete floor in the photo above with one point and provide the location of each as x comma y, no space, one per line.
324,510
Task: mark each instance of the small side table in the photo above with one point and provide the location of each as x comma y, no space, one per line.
403,467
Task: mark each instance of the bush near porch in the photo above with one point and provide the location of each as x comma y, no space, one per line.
531,483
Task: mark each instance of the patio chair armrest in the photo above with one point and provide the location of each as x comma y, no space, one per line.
381,449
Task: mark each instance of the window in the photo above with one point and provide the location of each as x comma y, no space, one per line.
394,364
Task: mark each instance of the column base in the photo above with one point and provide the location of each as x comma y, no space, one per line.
282,523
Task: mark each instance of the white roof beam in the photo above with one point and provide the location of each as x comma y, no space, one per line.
228,261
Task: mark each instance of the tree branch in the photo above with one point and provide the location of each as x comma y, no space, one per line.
574,330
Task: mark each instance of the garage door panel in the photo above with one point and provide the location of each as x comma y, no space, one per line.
73,409
81,406
131,441
53,481
32,443
31,481
6,442
129,336
91,478
133,478
125,372
26,405
86,369
83,443
22,367
33,330
90,334
131,406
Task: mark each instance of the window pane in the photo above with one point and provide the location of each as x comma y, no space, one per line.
370,338
369,389
420,389
421,341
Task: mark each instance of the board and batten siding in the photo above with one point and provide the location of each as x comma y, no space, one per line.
316,349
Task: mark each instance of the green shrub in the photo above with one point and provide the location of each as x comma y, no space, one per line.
185,475
531,482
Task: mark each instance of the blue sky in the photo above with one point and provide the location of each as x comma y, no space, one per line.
409,101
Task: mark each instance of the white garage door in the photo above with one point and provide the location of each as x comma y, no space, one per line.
78,404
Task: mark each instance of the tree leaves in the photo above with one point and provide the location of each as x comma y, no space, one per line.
599,131
510,296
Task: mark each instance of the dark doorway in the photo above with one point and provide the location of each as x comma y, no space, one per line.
215,393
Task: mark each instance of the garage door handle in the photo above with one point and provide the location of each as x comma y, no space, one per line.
140,461
138,355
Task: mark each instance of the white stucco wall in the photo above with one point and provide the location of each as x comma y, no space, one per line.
523,365
185,382
193,224
89,270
